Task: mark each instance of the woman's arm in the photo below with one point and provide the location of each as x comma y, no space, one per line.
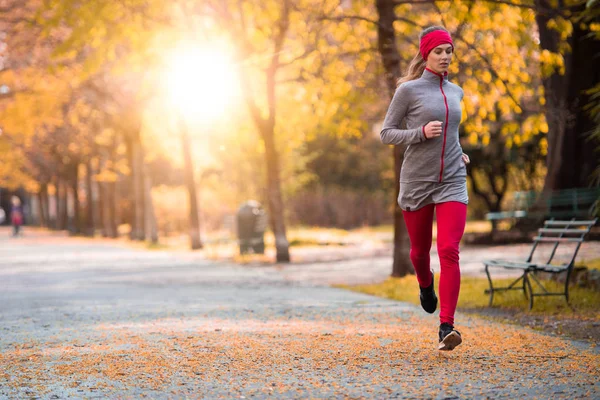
391,132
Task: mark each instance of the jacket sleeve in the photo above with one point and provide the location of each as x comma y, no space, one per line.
391,132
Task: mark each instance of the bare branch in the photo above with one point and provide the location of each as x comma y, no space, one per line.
297,79
13,93
478,191
351,17
510,3
283,27
528,6
491,68
12,7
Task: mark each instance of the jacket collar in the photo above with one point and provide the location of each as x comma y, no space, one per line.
433,76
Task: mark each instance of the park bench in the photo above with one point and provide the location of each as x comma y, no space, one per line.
561,204
520,204
569,235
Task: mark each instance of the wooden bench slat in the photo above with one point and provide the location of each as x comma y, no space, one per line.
513,264
556,239
524,265
564,231
572,223
552,268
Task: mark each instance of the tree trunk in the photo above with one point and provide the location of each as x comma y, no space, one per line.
150,223
90,223
570,159
102,209
111,192
136,161
111,201
194,220
274,197
386,41
138,185
64,216
42,206
76,206
41,221
130,217
579,155
266,127
46,202
57,197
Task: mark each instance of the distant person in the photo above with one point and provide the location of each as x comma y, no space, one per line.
16,215
433,174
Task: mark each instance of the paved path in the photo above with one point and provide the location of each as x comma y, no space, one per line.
92,319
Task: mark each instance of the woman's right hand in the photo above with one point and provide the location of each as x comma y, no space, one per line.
432,129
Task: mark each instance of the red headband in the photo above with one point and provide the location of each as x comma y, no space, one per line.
432,40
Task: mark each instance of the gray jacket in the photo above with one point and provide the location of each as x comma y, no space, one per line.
430,98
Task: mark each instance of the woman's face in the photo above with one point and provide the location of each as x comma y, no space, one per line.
439,58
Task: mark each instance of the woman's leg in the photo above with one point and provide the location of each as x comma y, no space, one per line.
419,224
451,219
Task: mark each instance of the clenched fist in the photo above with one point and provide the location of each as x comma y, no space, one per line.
433,129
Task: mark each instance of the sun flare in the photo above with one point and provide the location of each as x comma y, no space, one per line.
201,83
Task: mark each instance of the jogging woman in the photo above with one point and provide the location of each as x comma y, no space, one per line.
433,174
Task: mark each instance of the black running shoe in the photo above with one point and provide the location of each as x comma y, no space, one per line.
449,337
428,298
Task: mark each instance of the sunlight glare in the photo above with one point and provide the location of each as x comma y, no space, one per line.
201,83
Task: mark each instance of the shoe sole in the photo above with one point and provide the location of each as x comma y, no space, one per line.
451,340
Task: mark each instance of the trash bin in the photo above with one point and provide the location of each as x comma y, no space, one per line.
251,226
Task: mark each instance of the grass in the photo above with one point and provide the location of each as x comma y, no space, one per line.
583,302
156,246
592,264
314,242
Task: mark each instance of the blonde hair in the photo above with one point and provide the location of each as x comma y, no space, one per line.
417,65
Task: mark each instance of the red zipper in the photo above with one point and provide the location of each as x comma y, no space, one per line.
446,125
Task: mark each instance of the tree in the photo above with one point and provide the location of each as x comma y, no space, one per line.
272,25
568,45
391,62
194,216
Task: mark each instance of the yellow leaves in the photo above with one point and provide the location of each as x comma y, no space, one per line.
486,76
500,86
551,24
544,146
517,140
564,27
73,147
524,77
510,129
504,105
473,139
469,36
104,137
551,62
106,176
485,139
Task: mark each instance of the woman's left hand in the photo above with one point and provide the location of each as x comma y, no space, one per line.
466,159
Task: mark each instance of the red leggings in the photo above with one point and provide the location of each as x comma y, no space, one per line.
451,219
